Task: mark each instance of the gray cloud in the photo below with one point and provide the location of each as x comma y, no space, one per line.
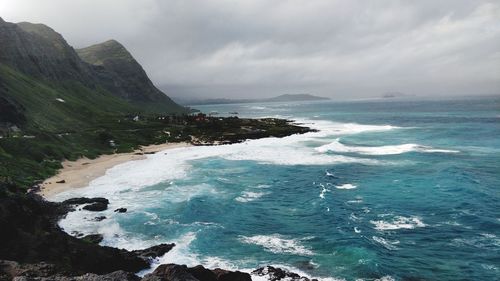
261,48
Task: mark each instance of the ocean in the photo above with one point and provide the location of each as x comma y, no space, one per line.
387,189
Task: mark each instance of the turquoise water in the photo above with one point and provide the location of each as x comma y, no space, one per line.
403,190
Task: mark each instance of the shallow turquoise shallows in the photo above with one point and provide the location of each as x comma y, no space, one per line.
387,189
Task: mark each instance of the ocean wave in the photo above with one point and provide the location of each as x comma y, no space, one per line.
175,164
346,186
389,245
337,146
278,244
399,222
248,196
324,190
329,128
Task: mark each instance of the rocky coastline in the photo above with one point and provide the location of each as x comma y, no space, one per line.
34,247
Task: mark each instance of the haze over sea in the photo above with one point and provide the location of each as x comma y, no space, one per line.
386,189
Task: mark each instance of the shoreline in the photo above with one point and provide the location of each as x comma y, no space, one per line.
79,173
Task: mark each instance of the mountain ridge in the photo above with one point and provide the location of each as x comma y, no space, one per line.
35,54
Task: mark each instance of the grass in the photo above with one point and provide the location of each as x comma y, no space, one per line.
90,122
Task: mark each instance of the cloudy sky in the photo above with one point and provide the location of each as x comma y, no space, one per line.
242,48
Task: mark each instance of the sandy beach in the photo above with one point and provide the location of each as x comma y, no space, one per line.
79,173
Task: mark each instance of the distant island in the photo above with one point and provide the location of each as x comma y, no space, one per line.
389,95
280,98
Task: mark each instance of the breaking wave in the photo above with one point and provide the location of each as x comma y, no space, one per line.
337,146
278,244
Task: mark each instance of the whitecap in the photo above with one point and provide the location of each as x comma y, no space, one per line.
248,196
399,222
346,186
388,244
329,174
323,191
337,146
278,244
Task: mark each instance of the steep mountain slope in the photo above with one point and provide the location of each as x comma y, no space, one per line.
121,74
45,80
38,51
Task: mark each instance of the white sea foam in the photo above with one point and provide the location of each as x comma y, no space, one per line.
399,222
337,146
174,163
248,196
291,269
385,278
388,244
346,186
328,128
324,190
276,243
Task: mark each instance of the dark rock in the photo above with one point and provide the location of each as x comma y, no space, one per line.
95,204
201,273
85,200
92,238
30,234
61,181
38,272
121,210
12,269
155,251
99,218
96,207
170,272
276,274
224,275
174,272
113,276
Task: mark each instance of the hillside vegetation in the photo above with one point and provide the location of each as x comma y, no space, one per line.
58,103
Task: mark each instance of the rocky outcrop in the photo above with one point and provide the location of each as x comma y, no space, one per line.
174,272
85,200
93,238
10,270
96,204
155,251
30,234
121,210
277,274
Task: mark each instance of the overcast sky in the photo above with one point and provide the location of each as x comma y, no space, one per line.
255,48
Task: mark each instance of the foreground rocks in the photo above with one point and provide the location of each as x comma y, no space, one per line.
33,247
277,274
174,272
30,235
10,270
96,204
